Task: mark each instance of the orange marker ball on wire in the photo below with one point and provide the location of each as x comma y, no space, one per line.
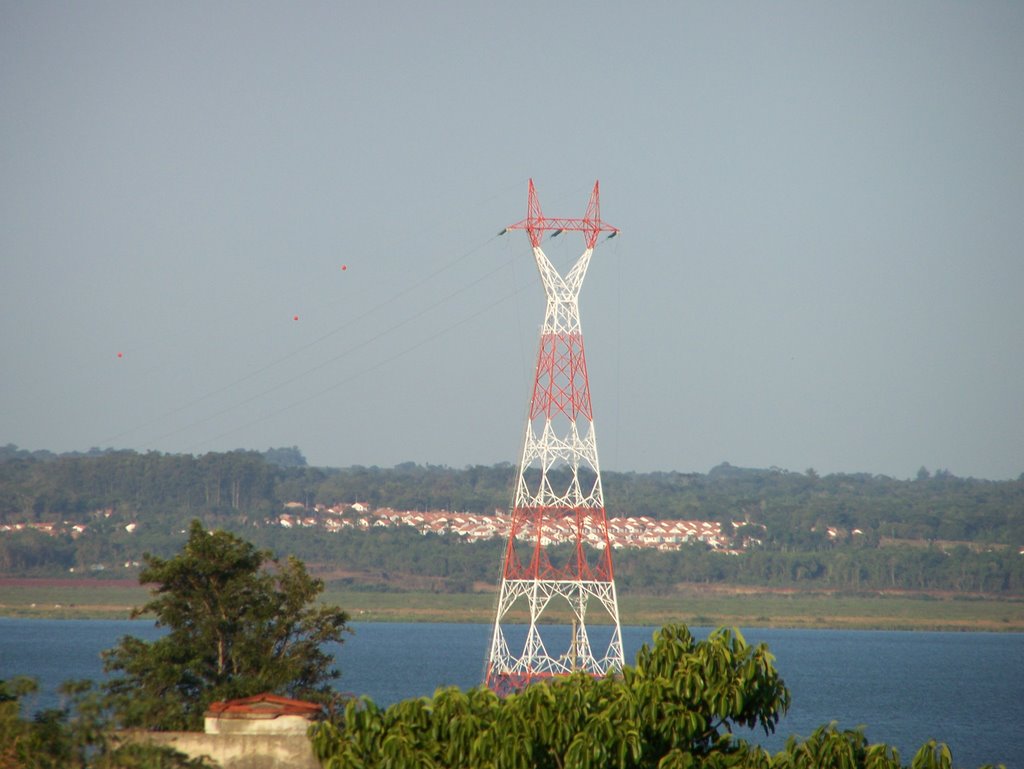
295,317
120,355
344,267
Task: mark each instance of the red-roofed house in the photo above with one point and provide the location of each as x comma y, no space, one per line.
261,714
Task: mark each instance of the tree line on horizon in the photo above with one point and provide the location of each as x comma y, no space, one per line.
936,531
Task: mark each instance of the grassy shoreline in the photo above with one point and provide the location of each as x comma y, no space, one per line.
693,605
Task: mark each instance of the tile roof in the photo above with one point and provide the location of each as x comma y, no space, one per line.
264,705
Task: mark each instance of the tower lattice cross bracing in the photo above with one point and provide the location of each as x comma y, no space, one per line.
558,559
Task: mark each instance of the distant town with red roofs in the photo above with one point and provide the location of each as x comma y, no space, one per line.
623,532
630,532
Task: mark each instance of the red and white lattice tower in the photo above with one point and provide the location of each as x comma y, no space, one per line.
558,497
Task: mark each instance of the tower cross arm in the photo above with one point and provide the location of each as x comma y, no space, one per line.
536,224
566,225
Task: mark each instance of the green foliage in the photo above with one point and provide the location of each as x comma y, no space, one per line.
51,488
791,506
935,532
285,457
384,552
32,552
675,708
73,737
830,748
238,623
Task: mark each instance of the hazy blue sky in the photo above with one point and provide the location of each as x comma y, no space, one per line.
821,204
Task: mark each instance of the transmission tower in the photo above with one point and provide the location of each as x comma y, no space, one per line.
558,559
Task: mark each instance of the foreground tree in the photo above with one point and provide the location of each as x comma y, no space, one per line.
676,708
73,736
238,622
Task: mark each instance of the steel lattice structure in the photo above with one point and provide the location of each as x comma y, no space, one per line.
558,495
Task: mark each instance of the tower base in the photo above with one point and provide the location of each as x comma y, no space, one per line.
551,650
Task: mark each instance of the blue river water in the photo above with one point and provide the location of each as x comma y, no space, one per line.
965,689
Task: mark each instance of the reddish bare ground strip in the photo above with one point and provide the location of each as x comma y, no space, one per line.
66,582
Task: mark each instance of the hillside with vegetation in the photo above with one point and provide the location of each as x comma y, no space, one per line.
96,513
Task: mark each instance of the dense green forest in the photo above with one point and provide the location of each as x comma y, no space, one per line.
933,532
